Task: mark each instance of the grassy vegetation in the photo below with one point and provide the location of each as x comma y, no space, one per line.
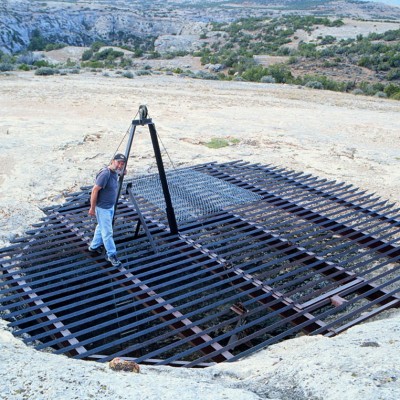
217,143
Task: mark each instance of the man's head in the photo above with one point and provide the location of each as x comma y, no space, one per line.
118,161
120,157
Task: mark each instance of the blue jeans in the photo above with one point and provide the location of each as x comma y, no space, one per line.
103,235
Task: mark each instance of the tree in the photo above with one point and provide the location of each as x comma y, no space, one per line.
37,41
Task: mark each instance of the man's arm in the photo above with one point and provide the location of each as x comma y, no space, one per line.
93,199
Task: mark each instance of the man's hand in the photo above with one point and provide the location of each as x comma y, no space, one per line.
93,200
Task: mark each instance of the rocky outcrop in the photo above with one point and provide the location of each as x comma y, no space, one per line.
173,43
77,26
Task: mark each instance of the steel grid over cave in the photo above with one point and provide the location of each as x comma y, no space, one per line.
309,255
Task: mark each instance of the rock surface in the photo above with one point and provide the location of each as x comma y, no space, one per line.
55,132
360,364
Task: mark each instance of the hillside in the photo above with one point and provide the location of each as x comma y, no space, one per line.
289,42
135,22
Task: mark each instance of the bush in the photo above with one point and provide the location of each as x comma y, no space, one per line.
396,96
314,85
327,84
108,54
392,90
268,79
141,72
6,67
327,40
380,94
357,92
54,46
87,55
24,67
255,73
393,74
45,71
96,46
41,63
371,89
37,41
217,143
127,74
93,64
205,75
280,73
27,58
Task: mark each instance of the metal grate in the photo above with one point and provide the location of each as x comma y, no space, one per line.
193,194
310,255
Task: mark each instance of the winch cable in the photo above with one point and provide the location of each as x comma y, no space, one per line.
166,152
122,140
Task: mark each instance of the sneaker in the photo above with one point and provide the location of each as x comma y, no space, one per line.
97,250
114,260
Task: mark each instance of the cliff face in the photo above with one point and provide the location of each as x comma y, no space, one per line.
77,26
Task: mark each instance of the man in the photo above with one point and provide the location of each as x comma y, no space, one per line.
102,202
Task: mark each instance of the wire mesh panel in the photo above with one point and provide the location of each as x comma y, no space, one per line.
261,255
193,194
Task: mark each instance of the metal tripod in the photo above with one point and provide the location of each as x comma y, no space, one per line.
143,120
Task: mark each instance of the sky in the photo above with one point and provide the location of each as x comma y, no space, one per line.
390,2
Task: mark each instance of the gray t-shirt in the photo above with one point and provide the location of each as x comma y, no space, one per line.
108,180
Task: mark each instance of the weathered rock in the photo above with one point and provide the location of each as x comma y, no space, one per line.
172,43
118,364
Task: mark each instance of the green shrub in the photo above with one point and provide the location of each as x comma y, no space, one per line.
6,67
391,90
24,67
255,73
268,79
153,55
87,55
280,73
204,75
41,63
314,85
37,41
45,71
127,74
141,72
327,40
96,46
54,46
357,91
217,143
125,62
327,83
27,58
108,54
371,89
396,96
393,74
93,64
380,94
